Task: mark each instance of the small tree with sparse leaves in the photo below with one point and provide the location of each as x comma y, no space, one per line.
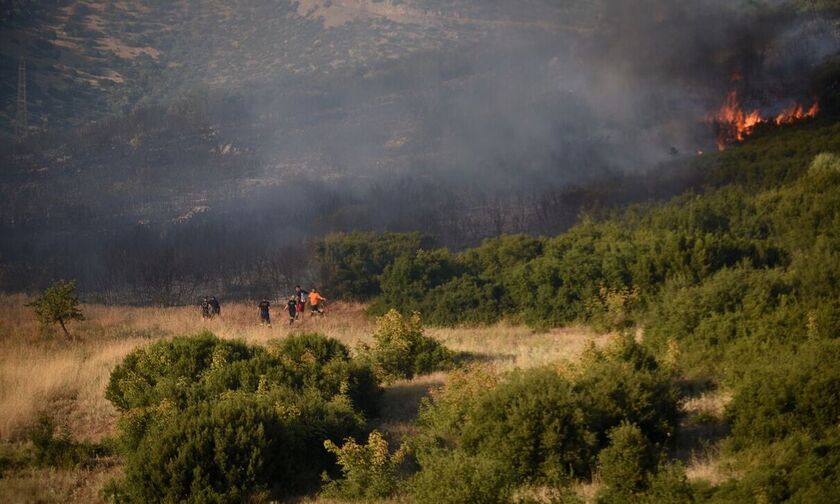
58,304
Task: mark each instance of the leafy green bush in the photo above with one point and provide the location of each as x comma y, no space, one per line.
227,449
407,281
454,477
188,369
669,485
625,464
799,469
368,471
799,394
349,265
203,419
171,370
401,350
624,383
545,426
61,451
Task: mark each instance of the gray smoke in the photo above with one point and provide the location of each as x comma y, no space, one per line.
263,124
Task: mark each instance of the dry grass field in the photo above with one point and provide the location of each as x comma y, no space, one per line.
41,372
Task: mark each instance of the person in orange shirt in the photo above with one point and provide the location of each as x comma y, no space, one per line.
315,299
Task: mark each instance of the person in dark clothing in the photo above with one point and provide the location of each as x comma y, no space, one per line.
300,297
265,315
291,307
215,307
205,308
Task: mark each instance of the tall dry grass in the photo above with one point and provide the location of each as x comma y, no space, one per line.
41,372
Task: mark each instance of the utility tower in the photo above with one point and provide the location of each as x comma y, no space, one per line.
21,120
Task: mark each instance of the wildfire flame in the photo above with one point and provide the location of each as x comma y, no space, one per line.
797,113
733,124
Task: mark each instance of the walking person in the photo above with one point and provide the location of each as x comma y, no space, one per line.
315,305
205,308
300,300
291,307
265,315
215,307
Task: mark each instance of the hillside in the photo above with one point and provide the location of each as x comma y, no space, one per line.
90,59
735,284
237,132
593,334
718,382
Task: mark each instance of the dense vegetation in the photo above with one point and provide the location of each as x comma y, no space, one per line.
207,420
723,271
539,426
736,285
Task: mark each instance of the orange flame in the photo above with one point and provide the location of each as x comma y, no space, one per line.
797,113
733,124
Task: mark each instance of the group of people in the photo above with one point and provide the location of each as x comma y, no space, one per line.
210,307
295,305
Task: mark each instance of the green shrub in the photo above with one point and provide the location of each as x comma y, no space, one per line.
454,477
230,448
51,450
613,308
669,485
171,370
546,426
349,265
624,383
407,281
799,469
443,414
534,425
625,464
799,393
368,471
561,495
189,369
204,419
466,299
311,360
401,350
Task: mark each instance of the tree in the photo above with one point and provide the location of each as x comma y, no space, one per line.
58,304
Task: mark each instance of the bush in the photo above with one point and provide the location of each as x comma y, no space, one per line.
625,464
401,350
534,425
454,477
407,282
613,308
799,469
61,451
669,485
368,471
239,445
189,369
542,426
800,393
349,265
443,414
204,419
624,383
171,370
